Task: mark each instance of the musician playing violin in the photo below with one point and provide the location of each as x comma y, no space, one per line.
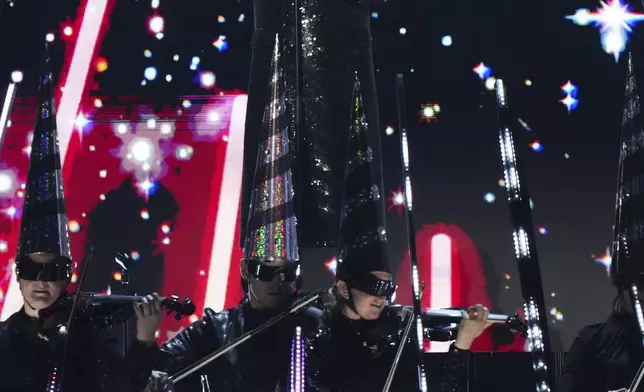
30,339
260,364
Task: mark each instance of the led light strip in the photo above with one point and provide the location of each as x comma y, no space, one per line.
93,20
9,98
441,281
228,211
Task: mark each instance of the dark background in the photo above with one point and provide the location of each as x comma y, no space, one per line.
456,159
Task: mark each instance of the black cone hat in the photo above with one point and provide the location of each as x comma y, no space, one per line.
271,231
362,242
628,246
44,221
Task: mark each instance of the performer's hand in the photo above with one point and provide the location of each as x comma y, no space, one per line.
149,314
472,327
158,382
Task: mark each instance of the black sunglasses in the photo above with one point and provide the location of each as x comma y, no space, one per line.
371,284
267,273
51,272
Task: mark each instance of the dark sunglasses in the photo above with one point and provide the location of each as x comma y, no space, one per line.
267,273
50,272
371,284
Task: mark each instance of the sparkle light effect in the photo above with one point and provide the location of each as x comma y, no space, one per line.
615,22
331,265
397,201
429,112
483,71
570,100
141,152
604,259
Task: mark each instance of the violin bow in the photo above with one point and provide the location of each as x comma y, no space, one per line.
81,280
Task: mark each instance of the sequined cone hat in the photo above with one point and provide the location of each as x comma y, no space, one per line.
628,247
44,221
362,241
271,232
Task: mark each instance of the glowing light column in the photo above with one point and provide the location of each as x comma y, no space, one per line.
525,247
224,238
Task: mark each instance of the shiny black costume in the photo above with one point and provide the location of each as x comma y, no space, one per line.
603,357
260,364
92,363
356,356
334,42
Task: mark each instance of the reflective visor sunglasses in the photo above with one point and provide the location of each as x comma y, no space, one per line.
50,272
267,273
371,284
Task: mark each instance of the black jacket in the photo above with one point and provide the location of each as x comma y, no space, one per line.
260,364
27,356
335,42
356,356
604,356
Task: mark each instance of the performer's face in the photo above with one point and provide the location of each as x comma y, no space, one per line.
40,294
271,284
370,303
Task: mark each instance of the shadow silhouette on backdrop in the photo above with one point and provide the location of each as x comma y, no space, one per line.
126,222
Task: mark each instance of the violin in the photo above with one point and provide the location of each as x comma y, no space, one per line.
106,310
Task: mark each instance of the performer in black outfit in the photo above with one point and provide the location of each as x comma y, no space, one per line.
360,334
605,357
269,269
331,40
38,353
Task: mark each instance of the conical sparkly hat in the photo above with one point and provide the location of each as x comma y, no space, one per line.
362,241
271,232
44,221
628,246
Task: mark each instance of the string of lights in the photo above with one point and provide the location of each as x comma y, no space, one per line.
524,245
411,233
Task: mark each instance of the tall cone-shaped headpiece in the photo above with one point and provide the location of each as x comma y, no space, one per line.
44,221
628,247
362,237
271,233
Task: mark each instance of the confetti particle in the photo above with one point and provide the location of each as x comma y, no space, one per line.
102,173
566,155
483,71
207,79
150,73
68,31
489,197
542,230
536,146
389,131
528,82
73,226
402,31
147,53
101,65
156,24
490,83
446,40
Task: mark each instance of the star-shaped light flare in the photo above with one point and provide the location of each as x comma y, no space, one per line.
615,21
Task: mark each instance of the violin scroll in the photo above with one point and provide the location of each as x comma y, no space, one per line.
180,308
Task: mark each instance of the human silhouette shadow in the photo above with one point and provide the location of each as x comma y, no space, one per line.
116,226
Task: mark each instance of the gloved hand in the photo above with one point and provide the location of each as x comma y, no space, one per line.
159,382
